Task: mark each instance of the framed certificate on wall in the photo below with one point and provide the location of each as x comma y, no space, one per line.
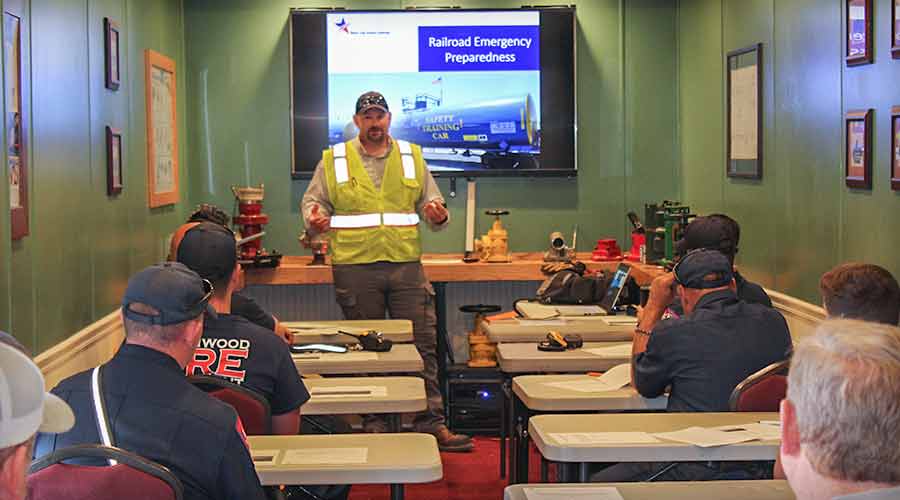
16,84
858,149
859,31
744,112
162,129
895,148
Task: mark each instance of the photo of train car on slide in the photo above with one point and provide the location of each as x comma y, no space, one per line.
495,133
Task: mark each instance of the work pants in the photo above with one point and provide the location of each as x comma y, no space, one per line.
367,291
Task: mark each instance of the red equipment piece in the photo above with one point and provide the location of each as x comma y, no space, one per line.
606,250
249,222
638,247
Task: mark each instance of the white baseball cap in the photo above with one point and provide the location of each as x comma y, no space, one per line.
25,407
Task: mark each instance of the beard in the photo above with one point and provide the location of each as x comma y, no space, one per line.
375,134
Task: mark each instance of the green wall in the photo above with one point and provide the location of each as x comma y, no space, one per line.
799,220
239,93
83,246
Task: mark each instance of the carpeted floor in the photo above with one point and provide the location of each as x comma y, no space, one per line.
469,476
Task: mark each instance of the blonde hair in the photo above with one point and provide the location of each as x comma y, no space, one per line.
845,385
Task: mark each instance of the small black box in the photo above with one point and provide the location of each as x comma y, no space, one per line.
474,399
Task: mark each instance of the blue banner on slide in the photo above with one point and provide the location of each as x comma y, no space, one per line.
479,48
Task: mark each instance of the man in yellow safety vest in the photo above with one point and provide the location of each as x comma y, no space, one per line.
368,194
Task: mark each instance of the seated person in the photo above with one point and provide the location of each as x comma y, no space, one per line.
241,305
841,418
718,232
25,409
151,408
861,291
701,356
232,347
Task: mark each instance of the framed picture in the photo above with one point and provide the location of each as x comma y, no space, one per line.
744,112
162,130
15,83
895,148
114,181
858,149
895,29
859,31
111,45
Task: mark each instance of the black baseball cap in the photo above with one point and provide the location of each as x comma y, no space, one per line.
371,100
703,268
208,249
178,293
714,232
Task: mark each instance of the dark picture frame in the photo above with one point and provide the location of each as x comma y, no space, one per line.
858,27
744,113
858,149
114,179
111,44
895,29
16,83
895,148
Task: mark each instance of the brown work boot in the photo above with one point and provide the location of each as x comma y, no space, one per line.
448,441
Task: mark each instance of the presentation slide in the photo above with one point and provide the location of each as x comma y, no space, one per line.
463,85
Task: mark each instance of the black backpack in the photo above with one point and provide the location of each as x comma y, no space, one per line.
570,286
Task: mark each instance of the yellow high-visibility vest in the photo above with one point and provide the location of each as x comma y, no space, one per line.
369,224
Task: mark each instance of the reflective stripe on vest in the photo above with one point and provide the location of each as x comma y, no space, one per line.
406,158
395,219
341,173
373,220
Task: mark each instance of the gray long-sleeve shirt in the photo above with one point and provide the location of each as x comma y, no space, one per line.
317,191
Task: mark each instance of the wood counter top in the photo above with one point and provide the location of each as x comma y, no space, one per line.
294,270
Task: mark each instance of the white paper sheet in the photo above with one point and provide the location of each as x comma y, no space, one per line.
325,456
614,379
583,438
338,356
619,320
541,322
349,391
706,437
617,351
264,457
580,310
563,493
764,432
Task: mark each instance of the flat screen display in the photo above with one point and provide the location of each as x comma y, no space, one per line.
484,92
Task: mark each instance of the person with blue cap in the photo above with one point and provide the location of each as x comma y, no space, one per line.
702,356
25,409
141,400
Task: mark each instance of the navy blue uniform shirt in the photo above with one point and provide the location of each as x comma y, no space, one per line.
242,305
235,349
705,354
155,412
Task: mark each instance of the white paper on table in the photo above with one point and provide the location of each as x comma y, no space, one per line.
579,310
706,437
764,432
614,379
616,351
541,322
325,456
578,438
619,320
533,310
348,391
563,493
264,457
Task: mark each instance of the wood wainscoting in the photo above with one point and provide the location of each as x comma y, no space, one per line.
93,345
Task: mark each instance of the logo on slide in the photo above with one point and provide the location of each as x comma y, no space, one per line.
343,25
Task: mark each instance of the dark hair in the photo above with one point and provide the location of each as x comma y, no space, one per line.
207,212
861,291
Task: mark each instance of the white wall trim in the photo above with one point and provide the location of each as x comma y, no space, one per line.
802,317
93,345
